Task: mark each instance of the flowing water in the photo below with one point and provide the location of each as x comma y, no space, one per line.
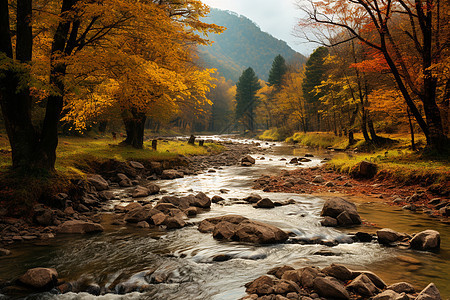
121,256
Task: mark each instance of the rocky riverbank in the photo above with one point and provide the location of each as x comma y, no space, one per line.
319,180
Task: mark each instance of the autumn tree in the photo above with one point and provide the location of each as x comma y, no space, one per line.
410,36
221,96
246,89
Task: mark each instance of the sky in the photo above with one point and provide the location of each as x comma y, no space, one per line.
277,17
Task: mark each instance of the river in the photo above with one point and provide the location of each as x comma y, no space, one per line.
120,256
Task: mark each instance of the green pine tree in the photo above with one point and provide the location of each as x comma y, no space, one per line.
277,71
314,74
246,98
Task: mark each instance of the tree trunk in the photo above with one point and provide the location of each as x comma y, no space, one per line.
411,128
134,126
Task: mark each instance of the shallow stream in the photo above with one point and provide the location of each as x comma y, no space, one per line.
121,255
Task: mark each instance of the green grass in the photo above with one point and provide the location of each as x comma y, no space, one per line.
73,153
401,165
273,134
319,139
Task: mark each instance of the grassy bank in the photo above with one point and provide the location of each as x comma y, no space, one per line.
73,151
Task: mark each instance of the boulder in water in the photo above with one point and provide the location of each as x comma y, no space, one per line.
426,240
40,278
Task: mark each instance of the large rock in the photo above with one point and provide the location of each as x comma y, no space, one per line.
253,198
387,236
426,240
174,222
140,214
429,293
379,283
98,182
201,200
336,206
248,159
262,286
76,226
265,203
259,233
307,276
181,203
279,271
338,271
40,278
123,180
329,287
152,188
224,230
363,286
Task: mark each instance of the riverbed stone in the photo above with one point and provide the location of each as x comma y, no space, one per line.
387,236
265,203
205,226
402,287
377,281
390,295
262,285
153,189
344,219
363,286
143,224
285,286
98,182
158,219
140,192
431,292
164,207
248,159
329,287
79,227
182,203
171,174
338,271
201,200
329,222
308,274
124,180
250,231
426,240
40,278
4,252
365,169
333,207
318,179
174,222
253,198
216,199
279,271
136,165
224,230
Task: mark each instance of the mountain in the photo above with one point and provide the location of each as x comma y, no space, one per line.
243,45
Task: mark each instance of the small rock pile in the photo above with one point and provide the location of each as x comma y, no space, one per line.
332,282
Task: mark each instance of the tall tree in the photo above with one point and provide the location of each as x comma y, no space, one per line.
277,71
411,37
246,98
315,70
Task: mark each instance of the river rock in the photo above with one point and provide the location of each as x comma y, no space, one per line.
201,200
387,236
429,293
248,159
363,286
259,233
318,179
44,216
164,207
136,165
265,203
336,206
80,227
344,219
216,199
308,274
340,272
283,287
137,215
329,222
379,283
364,237
253,198
329,287
191,211
153,189
390,295
235,219
224,230
279,271
123,180
171,174
181,203
205,226
4,252
98,182
426,240
262,286
158,219
401,287
174,222
40,278
140,192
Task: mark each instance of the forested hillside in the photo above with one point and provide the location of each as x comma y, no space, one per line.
243,45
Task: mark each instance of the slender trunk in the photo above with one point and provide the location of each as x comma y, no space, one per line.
134,125
375,138
364,125
411,128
